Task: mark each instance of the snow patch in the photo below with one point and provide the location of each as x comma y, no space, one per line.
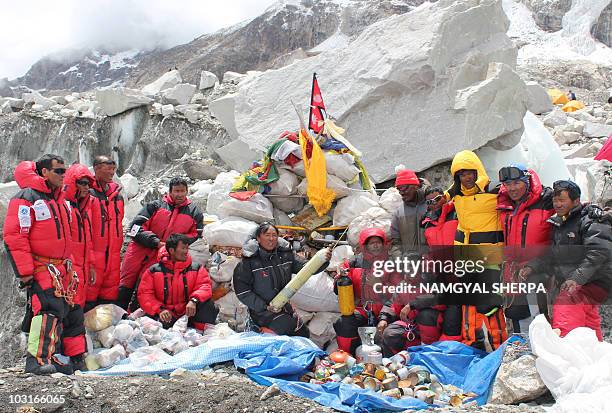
572,42
71,69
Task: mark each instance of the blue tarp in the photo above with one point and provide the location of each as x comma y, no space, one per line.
282,360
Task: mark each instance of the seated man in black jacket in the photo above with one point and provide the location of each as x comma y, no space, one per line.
266,268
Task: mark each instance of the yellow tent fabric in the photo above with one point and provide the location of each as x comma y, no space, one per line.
557,97
319,196
572,106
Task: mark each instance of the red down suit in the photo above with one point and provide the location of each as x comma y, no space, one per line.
80,227
154,224
170,285
37,237
106,221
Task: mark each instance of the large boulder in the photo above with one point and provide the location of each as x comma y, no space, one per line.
165,81
599,181
448,64
116,101
178,95
238,155
596,130
223,109
200,170
207,80
38,99
539,101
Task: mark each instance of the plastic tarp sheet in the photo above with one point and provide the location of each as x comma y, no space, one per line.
280,359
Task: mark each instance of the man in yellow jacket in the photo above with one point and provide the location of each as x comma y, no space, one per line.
479,228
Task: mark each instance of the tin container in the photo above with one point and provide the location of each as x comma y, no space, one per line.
422,373
403,357
348,380
407,392
380,373
341,368
390,383
371,383
374,357
395,393
402,373
369,369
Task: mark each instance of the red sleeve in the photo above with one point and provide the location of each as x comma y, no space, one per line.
202,289
146,294
17,241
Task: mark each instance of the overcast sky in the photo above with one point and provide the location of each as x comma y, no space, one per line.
30,29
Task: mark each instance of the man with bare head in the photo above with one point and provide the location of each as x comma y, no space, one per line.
106,221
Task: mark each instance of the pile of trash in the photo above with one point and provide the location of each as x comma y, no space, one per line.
111,337
393,377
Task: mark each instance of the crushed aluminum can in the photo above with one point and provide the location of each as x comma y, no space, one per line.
390,383
369,369
380,373
395,393
372,383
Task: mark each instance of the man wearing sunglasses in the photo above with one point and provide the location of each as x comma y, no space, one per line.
525,206
581,256
37,238
107,228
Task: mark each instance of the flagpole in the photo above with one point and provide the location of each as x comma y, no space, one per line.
314,77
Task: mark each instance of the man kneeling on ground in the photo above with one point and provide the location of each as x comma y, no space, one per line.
176,286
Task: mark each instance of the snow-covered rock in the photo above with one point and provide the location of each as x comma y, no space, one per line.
59,99
207,80
69,113
193,115
233,77
238,155
6,108
180,94
130,185
446,63
166,81
38,99
599,181
15,103
596,130
555,118
565,137
223,109
167,110
537,150
539,101
116,101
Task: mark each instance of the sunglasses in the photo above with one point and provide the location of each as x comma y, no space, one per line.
59,171
105,163
434,200
83,182
510,173
565,185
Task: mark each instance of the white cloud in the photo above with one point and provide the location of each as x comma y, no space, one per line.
34,28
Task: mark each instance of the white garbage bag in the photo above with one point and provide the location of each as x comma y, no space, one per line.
340,254
199,193
199,251
111,356
257,208
232,311
577,369
148,355
375,217
333,182
317,294
106,337
391,200
352,206
297,169
229,232
222,267
220,191
341,165
286,184
321,327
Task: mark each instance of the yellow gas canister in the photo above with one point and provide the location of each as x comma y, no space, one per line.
346,296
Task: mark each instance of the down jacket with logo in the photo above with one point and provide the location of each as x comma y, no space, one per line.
261,275
170,285
154,224
37,223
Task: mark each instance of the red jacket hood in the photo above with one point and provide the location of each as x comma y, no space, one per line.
164,258
535,190
26,177
170,201
369,233
73,174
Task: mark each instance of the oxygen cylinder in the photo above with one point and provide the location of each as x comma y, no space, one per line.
346,296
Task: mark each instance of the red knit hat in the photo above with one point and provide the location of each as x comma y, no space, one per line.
406,177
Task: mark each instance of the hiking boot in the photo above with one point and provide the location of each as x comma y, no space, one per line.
32,366
61,367
78,363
